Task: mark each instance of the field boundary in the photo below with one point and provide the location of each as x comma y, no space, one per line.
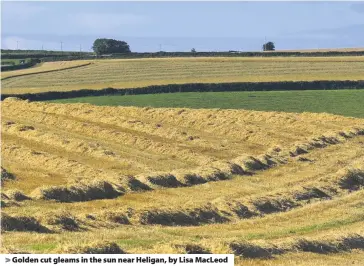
193,87
206,54
46,71
31,63
63,56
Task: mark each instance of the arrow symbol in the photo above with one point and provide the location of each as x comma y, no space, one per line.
7,260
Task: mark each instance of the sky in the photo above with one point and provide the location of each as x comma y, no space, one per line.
181,26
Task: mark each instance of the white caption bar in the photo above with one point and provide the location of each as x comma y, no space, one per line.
112,259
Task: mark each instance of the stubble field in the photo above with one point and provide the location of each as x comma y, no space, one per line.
43,68
132,73
280,186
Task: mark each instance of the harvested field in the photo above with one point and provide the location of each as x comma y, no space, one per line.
132,73
281,186
158,147
44,68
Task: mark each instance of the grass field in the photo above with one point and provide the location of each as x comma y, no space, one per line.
340,102
131,73
282,187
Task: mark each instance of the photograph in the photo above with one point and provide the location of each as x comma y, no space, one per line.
182,133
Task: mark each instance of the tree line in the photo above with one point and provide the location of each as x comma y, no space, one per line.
104,46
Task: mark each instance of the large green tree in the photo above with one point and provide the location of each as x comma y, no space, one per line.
269,46
110,46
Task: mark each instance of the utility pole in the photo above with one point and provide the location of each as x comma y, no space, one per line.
17,45
80,48
61,46
160,47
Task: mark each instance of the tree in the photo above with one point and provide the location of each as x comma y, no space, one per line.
193,50
110,46
269,46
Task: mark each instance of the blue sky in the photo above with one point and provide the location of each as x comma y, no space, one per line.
180,26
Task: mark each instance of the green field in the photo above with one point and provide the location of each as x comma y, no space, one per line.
341,102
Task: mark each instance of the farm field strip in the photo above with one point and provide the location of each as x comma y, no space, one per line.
313,176
85,143
151,135
219,211
50,159
110,75
126,140
309,222
44,68
207,67
159,126
318,166
143,72
125,77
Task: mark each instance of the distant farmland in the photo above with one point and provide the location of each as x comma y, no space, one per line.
130,73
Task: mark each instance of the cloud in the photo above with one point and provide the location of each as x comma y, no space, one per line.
104,23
